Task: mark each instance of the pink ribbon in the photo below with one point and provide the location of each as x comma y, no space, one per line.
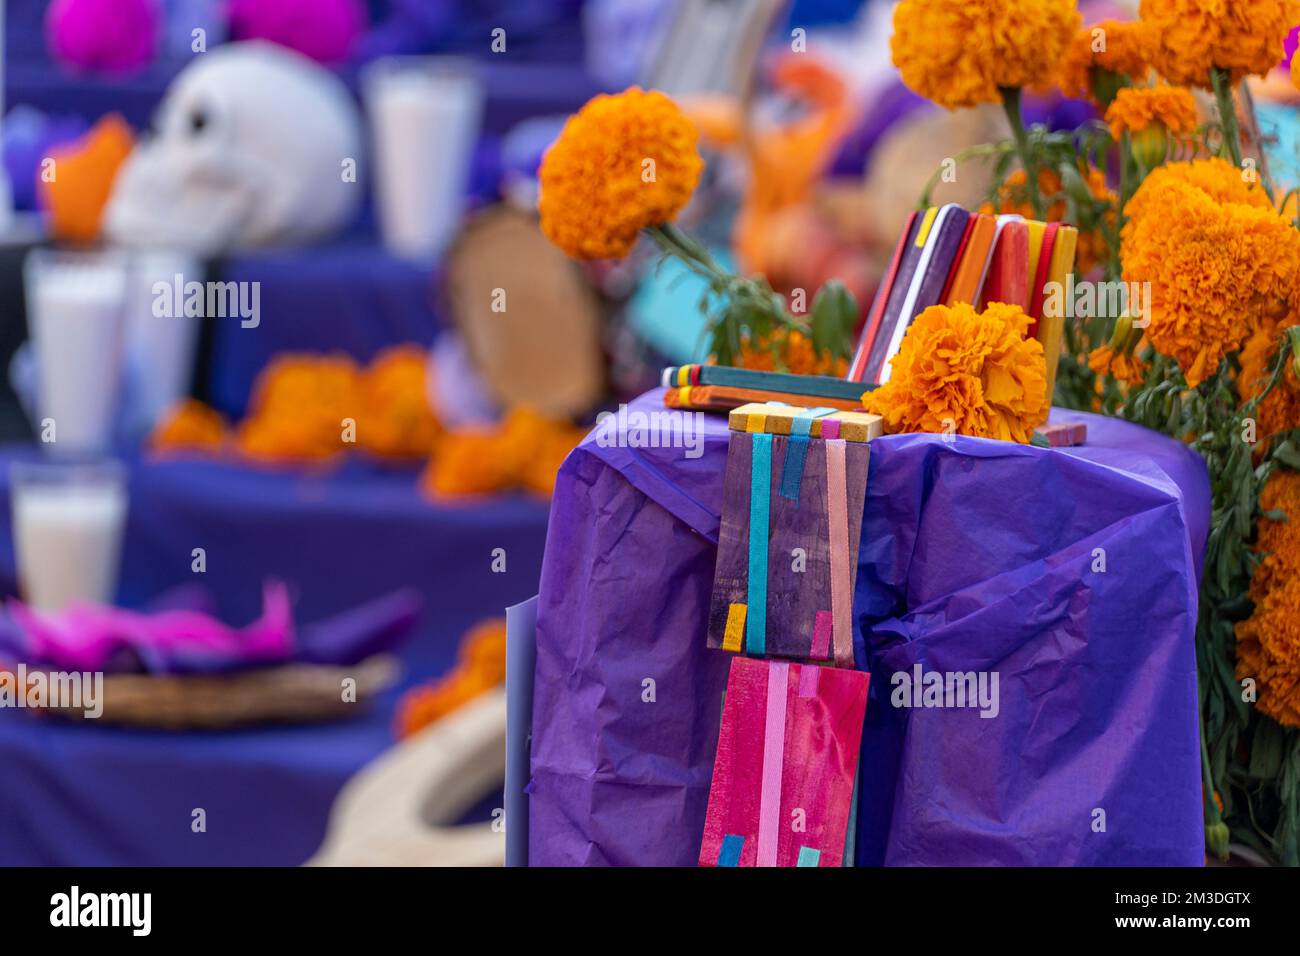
837,508
769,801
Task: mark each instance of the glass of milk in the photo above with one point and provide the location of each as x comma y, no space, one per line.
67,521
425,114
75,308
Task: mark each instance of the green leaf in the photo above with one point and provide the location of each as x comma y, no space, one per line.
834,313
1288,454
1266,750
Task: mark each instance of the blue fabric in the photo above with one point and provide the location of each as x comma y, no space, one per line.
975,555
97,795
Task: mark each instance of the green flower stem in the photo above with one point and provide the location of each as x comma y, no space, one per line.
1011,103
1227,113
985,151
747,303
672,241
1125,182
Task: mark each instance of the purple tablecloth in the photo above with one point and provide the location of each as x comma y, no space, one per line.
976,556
96,795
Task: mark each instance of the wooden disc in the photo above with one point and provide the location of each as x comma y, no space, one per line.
530,321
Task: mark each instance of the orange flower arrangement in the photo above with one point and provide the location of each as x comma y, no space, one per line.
623,163
1013,198
968,372
1214,177
472,461
396,420
84,175
1268,643
1139,108
1242,37
480,666
1126,367
298,409
959,53
302,405
1219,259
1280,409
796,352
1109,47
525,451
190,426
311,407
628,164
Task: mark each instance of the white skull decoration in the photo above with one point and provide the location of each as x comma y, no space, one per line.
253,144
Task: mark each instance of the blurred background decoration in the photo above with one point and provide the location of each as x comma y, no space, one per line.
276,319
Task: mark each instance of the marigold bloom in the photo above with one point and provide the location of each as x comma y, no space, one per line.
622,163
298,408
480,666
396,420
544,445
963,52
1139,108
797,354
966,372
189,426
524,451
1189,37
75,198
1268,643
1110,46
1219,259
1126,368
1280,411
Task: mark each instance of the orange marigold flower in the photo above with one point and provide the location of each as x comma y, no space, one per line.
1139,108
75,199
1219,259
524,451
1112,46
962,52
397,420
1189,37
298,408
544,443
1126,368
622,163
480,666
189,426
1268,643
1280,411
1013,197
797,355
470,462
973,373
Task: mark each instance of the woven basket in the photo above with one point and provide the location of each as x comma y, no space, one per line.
289,693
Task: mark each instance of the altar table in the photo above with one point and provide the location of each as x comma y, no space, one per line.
1070,573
